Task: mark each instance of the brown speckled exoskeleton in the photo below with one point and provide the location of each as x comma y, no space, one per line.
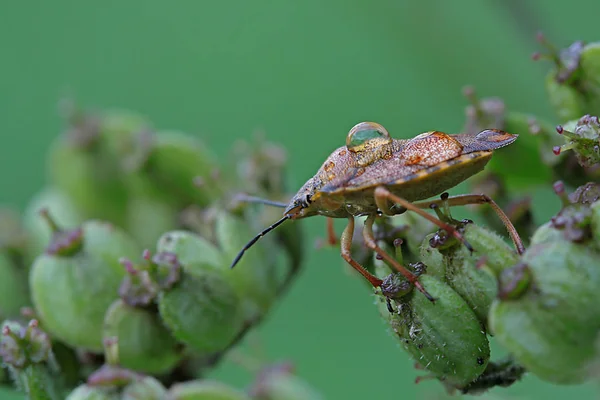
374,174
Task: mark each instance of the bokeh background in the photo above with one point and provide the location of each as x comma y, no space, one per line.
302,72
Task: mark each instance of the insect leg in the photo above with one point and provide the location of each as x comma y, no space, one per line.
382,195
331,236
467,199
346,248
372,244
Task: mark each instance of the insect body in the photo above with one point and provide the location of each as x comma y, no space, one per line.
375,174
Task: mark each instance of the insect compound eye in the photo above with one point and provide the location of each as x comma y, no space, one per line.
367,134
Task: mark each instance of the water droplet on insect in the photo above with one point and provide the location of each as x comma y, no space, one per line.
365,132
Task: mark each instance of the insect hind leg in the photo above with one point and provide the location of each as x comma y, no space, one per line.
469,199
383,196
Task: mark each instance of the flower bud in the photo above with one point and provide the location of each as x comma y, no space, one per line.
85,392
60,206
27,351
82,168
202,309
471,274
143,342
445,337
545,319
77,279
147,388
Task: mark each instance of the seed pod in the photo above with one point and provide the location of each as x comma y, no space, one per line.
444,337
258,277
81,167
147,388
202,309
180,164
150,211
545,319
471,275
204,390
144,344
60,206
77,279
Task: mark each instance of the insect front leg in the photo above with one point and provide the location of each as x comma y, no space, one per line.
346,252
383,196
468,199
372,244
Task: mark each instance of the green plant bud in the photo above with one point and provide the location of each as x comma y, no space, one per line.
547,323
150,211
180,164
21,346
280,383
90,177
472,275
575,219
204,390
445,337
14,290
144,343
85,392
27,351
190,248
147,388
119,130
202,310
546,233
77,279
256,276
60,206
584,140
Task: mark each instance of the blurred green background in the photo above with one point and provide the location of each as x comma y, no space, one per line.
303,72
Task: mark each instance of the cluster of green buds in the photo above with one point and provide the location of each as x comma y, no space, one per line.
537,303
123,260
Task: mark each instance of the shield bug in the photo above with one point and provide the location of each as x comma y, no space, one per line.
375,174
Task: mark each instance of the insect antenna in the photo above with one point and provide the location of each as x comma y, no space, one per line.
255,239
258,200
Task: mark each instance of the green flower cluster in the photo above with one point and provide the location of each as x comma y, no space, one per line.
539,304
116,281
